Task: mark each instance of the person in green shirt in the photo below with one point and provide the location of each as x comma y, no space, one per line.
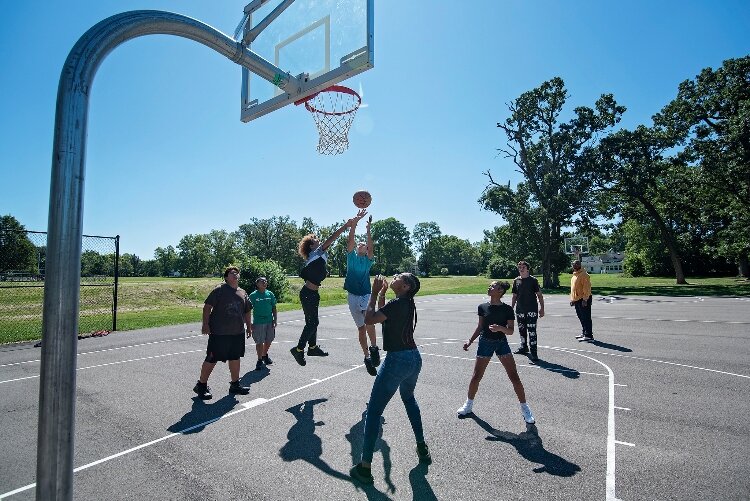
264,321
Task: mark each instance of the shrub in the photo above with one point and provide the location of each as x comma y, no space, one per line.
500,267
253,268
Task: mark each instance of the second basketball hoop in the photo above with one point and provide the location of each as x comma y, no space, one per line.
333,110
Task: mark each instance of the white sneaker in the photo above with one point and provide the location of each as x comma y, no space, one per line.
465,409
527,415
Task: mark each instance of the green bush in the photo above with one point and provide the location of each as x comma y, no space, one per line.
253,268
634,265
500,267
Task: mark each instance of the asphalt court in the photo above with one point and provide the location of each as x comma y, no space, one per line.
654,409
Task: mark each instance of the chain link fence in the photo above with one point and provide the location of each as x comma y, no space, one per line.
22,269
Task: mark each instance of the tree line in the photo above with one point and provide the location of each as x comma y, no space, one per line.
676,191
674,195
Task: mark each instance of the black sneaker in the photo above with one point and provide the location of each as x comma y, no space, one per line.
424,453
587,338
259,365
521,351
236,388
361,474
316,351
299,356
371,370
267,360
375,355
203,391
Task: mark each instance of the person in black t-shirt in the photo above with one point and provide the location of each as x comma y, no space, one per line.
225,314
495,323
526,293
314,272
400,368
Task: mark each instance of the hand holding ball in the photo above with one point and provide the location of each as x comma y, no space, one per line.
362,199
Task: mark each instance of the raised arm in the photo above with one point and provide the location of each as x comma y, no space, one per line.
339,231
370,247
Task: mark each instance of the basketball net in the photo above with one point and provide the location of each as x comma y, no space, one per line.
333,110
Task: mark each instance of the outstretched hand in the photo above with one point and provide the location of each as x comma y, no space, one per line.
360,214
379,284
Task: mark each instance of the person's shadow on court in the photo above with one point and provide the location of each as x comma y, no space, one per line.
202,414
420,487
561,369
303,443
529,446
252,377
355,437
609,346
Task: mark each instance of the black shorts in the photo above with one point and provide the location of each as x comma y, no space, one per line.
223,348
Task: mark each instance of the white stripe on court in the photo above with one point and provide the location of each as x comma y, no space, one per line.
246,406
471,359
649,360
610,481
622,408
112,363
618,442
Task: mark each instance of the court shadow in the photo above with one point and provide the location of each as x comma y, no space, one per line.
529,446
302,442
609,346
561,369
202,414
355,437
252,377
420,488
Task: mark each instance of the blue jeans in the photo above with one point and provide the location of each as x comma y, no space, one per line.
399,371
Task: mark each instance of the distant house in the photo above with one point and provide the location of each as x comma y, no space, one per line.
611,262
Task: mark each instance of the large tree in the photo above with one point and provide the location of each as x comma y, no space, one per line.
16,250
630,167
451,252
547,151
711,113
195,256
392,244
421,235
167,259
273,238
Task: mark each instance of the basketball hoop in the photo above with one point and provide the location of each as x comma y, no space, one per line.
333,110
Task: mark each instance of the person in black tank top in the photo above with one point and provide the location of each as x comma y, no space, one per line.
399,370
314,272
495,324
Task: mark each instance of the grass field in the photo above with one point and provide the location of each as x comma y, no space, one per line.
156,302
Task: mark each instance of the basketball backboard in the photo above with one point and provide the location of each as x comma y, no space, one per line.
576,246
320,42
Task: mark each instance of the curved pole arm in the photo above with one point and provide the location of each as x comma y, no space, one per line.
64,227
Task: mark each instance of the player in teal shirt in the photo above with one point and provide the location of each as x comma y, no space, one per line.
357,284
264,321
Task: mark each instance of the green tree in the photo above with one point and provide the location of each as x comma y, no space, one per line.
392,244
449,251
252,268
547,152
421,236
95,264
631,169
273,238
224,249
16,250
711,113
195,256
168,260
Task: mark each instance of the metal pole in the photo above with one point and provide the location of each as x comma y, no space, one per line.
62,284
117,277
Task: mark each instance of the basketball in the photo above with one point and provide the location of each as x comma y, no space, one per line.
362,199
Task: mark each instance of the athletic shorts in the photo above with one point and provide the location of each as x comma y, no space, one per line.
488,347
357,307
223,348
263,333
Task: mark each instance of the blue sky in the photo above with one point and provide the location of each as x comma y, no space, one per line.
168,156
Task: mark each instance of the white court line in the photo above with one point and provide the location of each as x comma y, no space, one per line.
246,406
112,363
111,349
622,408
471,359
618,442
610,482
650,360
